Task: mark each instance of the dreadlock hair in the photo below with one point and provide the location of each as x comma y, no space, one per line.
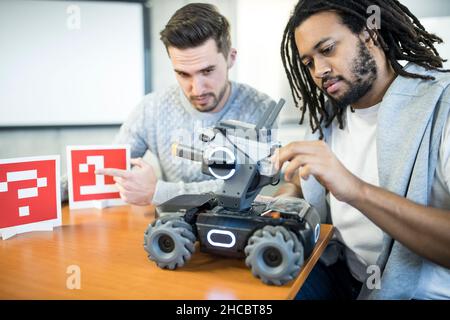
402,37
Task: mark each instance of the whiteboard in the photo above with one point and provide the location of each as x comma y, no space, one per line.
70,63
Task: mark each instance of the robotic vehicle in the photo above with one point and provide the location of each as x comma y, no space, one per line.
275,237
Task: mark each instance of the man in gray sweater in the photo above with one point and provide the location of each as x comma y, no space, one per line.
197,39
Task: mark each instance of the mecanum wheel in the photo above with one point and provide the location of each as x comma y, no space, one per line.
169,241
274,255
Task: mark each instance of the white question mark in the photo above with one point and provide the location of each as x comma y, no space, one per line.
25,192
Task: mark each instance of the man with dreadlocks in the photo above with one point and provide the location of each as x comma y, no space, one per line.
377,163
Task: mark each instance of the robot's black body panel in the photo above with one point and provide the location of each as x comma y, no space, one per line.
224,232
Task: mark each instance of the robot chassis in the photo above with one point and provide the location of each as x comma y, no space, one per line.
275,237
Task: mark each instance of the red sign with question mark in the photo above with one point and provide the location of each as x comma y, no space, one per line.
29,194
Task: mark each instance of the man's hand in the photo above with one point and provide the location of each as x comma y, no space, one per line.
136,186
316,158
424,230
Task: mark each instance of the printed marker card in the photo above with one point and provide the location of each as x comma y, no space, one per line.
30,198
87,189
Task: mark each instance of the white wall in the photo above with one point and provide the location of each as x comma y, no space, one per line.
261,24
429,8
441,27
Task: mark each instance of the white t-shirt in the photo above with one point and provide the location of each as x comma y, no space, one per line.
355,146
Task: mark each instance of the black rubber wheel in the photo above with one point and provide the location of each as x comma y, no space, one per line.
169,241
274,254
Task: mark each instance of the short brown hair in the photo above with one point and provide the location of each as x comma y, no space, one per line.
194,24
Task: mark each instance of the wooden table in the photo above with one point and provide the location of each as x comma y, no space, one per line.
107,246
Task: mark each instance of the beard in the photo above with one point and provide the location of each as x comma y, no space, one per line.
364,72
216,99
